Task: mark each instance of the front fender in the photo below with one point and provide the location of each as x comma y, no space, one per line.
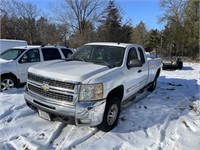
110,80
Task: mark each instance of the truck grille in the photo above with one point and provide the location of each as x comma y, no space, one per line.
50,94
51,82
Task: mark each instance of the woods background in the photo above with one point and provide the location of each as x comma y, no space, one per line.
76,22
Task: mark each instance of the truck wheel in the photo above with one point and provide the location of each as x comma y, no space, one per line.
111,115
153,86
7,83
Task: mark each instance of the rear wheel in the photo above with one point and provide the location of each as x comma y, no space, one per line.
153,86
111,115
7,83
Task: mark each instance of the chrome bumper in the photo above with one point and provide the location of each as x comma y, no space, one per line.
84,113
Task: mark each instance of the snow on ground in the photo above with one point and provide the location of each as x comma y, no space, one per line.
168,119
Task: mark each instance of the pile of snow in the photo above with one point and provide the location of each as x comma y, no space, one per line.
168,118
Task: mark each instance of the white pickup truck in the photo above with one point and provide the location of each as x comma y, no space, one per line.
89,87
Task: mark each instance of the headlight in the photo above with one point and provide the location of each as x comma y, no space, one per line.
91,92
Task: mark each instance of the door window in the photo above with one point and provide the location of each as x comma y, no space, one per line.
30,56
50,54
132,55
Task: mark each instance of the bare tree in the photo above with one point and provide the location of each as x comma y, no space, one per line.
174,16
27,12
76,13
19,8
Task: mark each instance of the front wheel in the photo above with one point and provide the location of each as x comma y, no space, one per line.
111,115
7,83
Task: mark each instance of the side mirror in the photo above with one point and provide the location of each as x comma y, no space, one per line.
24,59
134,63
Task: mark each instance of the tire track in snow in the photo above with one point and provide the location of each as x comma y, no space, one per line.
15,115
74,143
8,112
90,141
163,131
70,136
55,135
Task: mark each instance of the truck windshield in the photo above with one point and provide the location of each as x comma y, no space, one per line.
110,56
11,54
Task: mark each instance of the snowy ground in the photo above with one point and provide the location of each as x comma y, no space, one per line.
168,119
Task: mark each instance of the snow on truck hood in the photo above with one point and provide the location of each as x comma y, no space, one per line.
76,71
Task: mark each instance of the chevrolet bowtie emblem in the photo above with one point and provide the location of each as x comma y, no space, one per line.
45,87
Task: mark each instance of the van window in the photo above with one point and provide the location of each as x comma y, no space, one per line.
50,54
30,56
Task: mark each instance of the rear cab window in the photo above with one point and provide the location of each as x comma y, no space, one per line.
51,53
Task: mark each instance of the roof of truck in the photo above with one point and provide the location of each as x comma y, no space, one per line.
113,44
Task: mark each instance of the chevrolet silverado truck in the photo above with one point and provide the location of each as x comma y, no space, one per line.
90,86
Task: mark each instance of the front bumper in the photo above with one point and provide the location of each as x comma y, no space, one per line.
84,113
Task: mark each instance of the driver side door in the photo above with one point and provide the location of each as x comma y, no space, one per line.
28,59
134,72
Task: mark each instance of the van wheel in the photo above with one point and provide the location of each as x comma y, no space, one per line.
153,86
111,115
7,83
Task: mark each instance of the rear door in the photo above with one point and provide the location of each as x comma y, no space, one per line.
136,77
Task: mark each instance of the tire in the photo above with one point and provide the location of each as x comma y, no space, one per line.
7,83
111,115
153,86
180,65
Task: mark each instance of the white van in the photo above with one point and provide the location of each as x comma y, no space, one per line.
6,44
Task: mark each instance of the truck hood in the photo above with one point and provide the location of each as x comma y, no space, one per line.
75,71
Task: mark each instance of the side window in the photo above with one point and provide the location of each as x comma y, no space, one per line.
133,60
132,55
141,55
50,54
30,56
66,52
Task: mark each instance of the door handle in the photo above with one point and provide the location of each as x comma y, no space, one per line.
139,71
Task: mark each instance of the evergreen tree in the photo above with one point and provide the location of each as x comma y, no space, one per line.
139,34
110,28
153,40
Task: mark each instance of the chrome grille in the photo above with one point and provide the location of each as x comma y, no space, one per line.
50,94
51,82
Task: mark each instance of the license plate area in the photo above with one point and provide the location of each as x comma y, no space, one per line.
44,115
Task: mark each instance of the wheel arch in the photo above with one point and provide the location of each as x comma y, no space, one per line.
158,73
116,92
11,75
